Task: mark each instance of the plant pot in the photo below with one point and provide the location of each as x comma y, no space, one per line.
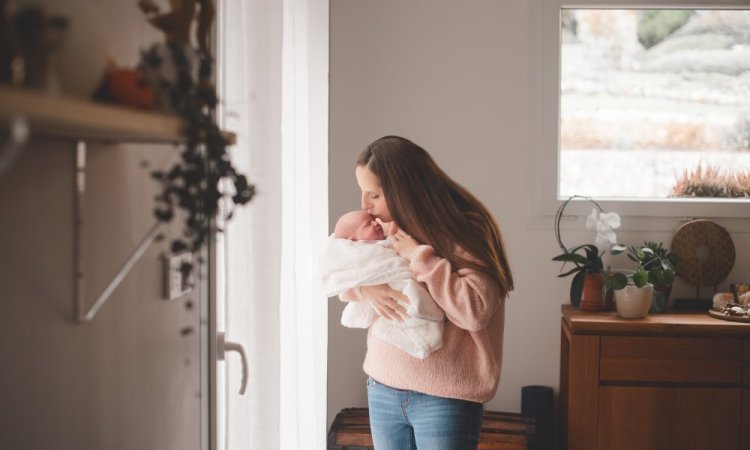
665,291
633,302
609,300
592,292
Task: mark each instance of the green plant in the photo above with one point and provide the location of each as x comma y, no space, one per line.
655,25
658,265
193,183
586,258
618,279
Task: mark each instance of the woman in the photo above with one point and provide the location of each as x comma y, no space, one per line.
456,251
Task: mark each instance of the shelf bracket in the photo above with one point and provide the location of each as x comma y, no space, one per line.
83,313
16,144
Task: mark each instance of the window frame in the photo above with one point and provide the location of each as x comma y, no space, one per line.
544,129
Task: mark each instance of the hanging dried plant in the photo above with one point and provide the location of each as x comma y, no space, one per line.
193,183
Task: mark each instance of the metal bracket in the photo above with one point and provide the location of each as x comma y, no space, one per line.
82,313
16,144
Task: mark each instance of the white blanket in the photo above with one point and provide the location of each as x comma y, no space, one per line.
344,264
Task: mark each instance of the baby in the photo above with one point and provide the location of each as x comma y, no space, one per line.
357,254
358,226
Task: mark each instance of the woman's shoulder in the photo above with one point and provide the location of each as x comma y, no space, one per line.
464,254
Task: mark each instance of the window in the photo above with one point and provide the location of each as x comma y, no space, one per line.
644,108
655,103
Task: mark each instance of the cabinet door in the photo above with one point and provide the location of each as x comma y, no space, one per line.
745,433
658,418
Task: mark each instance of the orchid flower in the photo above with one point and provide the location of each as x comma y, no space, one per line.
587,258
604,224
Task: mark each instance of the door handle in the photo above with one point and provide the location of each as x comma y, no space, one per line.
229,346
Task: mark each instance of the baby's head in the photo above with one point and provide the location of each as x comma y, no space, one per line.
358,226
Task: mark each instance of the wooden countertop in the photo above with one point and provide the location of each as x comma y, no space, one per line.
670,323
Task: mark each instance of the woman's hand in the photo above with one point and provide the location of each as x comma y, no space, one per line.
386,301
404,244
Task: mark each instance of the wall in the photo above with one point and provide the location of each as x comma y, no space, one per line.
461,79
129,379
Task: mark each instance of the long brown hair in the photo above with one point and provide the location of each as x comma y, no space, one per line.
434,209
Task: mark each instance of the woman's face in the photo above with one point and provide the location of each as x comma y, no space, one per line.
373,200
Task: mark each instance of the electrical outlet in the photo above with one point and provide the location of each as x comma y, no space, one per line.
175,283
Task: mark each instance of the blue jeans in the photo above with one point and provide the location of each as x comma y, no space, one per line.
409,420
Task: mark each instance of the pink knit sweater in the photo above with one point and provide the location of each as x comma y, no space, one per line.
467,366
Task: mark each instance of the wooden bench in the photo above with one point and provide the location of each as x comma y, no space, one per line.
500,431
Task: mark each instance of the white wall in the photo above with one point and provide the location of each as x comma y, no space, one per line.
129,379
460,79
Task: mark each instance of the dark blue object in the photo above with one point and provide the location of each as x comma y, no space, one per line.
536,402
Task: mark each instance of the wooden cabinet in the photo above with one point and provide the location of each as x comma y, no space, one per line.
668,381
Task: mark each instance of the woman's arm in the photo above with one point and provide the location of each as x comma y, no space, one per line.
468,297
351,295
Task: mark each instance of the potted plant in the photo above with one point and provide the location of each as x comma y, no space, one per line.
586,286
633,293
658,263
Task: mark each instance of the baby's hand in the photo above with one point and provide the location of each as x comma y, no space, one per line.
404,244
389,228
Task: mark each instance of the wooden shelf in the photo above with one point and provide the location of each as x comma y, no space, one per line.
68,117
81,120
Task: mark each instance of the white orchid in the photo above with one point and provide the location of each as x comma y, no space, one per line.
604,224
587,258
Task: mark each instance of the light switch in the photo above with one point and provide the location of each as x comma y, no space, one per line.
175,283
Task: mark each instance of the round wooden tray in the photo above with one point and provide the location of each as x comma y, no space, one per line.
723,316
705,252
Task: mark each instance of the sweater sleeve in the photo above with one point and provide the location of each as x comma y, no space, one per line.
468,297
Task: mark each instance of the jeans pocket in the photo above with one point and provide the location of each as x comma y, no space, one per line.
371,382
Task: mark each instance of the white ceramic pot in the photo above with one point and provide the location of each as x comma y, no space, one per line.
633,302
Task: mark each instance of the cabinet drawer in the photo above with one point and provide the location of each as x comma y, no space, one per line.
677,418
656,359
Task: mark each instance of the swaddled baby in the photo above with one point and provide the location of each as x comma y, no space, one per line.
357,254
